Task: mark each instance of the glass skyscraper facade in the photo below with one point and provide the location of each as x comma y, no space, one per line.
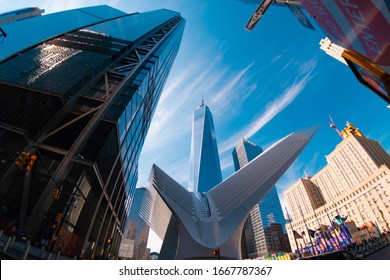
80,94
205,168
135,238
265,228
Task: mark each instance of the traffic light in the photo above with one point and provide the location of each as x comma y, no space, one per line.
29,162
25,161
109,240
216,253
58,218
21,160
56,193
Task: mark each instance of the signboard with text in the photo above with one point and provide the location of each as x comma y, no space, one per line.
360,25
258,14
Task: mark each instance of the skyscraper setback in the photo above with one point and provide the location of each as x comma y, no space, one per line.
80,96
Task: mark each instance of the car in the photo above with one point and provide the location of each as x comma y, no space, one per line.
334,255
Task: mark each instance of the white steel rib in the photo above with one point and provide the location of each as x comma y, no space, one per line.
215,219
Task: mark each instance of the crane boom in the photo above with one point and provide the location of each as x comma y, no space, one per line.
332,125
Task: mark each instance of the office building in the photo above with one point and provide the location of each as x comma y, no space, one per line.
78,95
205,168
209,225
262,234
354,183
135,237
332,49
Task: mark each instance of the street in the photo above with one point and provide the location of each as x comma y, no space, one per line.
381,254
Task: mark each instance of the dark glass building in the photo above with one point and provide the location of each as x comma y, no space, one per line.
265,228
135,238
79,94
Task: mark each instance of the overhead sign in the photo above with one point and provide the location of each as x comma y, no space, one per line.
298,13
361,25
258,14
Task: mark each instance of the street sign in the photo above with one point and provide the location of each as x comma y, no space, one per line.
258,14
298,13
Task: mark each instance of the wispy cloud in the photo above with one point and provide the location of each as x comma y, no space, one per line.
276,58
271,109
236,84
183,93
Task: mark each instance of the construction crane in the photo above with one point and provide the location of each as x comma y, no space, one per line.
332,125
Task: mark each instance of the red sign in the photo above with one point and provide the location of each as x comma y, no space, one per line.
361,25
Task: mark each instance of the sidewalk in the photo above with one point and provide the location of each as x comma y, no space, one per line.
18,250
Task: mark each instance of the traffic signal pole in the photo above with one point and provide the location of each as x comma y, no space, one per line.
25,199
63,217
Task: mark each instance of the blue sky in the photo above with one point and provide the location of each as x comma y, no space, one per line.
260,85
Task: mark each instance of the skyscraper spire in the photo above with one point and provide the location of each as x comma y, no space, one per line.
202,101
205,169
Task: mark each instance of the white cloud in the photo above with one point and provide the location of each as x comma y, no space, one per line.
276,58
220,97
272,109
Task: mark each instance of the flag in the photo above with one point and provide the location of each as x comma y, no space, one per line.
297,235
311,233
338,219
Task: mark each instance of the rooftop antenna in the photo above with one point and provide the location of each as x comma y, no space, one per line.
202,100
306,175
332,125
